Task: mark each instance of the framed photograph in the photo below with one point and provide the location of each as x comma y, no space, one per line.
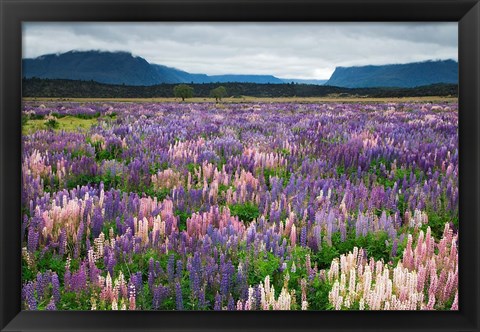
239,165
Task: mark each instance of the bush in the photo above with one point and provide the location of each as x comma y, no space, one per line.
246,212
52,124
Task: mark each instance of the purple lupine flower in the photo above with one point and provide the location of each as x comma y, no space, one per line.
202,303
218,302
51,306
159,294
179,270
231,303
29,296
171,268
225,280
138,282
40,286
43,280
111,262
67,278
178,296
25,222
55,288
33,237
97,221
303,236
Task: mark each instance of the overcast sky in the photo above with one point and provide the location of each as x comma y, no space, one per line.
286,50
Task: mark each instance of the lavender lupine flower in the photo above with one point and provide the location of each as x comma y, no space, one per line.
202,302
33,237
231,304
179,270
159,294
97,222
171,268
55,288
178,296
137,282
303,237
218,302
51,305
29,295
40,285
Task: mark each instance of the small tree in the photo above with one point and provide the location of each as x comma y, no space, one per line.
218,93
51,122
183,91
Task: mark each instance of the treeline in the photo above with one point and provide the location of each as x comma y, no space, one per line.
53,88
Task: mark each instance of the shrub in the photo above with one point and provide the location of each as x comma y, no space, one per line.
246,212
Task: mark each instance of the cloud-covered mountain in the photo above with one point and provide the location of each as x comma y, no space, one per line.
398,75
124,68
103,67
121,68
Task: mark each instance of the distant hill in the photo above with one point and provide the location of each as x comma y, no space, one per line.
103,67
260,79
397,75
303,81
173,75
122,68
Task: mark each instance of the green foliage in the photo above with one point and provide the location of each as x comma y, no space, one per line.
298,257
317,296
51,124
155,167
53,263
74,301
43,263
350,171
76,154
65,123
109,180
246,212
160,193
218,93
144,298
437,221
284,152
400,249
88,116
282,173
325,256
24,120
264,264
28,274
182,219
191,167
52,184
375,244
112,152
134,263
183,91
400,173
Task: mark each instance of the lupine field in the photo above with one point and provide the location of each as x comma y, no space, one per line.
269,206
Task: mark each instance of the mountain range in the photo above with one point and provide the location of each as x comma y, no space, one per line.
122,68
396,75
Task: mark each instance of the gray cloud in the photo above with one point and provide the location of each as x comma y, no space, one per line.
294,50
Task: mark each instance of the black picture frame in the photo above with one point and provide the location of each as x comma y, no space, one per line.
14,12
